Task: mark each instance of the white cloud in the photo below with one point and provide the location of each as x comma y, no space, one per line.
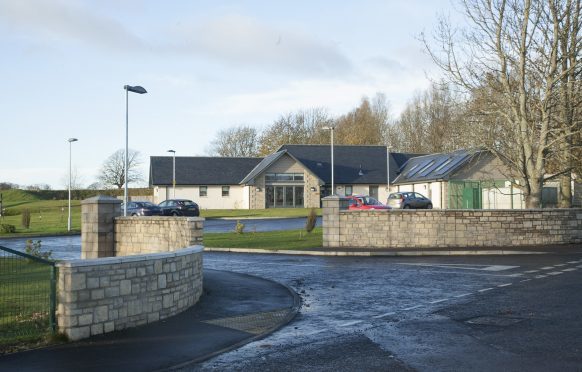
58,20
238,40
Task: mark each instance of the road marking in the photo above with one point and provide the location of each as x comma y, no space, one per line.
463,266
383,315
570,269
437,301
555,273
579,266
525,280
351,323
504,285
463,295
573,262
541,276
412,307
548,268
531,271
515,275
559,265
485,289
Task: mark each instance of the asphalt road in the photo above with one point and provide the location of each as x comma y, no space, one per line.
480,313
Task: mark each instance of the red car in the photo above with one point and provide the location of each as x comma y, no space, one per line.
362,202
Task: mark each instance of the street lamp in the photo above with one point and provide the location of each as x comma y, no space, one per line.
331,128
71,140
139,90
173,173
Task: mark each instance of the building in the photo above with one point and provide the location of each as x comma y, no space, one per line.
298,176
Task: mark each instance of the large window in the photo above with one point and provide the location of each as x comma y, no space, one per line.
349,190
225,191
283,177
284,196
203,191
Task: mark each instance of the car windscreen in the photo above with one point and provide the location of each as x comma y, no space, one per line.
395,196
368,200
188,203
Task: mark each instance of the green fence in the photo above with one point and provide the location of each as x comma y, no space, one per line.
27,297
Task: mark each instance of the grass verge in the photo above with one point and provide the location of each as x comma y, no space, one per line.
258,213
274,240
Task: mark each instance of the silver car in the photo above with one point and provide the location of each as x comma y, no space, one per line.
409,200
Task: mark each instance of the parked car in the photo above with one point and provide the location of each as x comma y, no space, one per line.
179,207
139,208
364,202
409,200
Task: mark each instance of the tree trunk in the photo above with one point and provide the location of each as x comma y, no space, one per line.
534,199
565,199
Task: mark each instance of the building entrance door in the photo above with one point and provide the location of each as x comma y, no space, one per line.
284,196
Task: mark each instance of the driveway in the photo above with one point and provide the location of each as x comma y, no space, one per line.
483,313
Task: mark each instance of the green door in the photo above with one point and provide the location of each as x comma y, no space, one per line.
471,198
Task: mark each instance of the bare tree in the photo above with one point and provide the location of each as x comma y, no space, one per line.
113,170
302,127
241,141
509,62
77,180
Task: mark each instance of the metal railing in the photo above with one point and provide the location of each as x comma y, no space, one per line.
27,296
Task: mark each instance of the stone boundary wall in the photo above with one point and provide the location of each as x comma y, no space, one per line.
108,294
144,235
394,229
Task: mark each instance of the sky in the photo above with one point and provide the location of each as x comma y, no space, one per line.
207,66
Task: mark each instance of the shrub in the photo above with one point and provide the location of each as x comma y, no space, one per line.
25,218
239,228
7,229
311,220
33,248
10,212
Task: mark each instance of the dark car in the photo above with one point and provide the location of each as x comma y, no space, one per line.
409,200
364,202
139,208
179,207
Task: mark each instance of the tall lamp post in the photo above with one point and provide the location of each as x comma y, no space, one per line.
173,173
139,90
71,140
331,128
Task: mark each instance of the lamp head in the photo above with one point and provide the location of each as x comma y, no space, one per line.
136,89
72,140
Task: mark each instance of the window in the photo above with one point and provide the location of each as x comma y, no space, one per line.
349,190
283,177
203,191
225,190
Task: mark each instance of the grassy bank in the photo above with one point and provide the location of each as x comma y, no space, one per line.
279,240
257,213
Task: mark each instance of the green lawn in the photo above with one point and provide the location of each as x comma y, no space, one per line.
24,302
276,240
49,217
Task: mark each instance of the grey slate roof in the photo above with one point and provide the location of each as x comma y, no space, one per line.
264,164
348,160
434,166
200,170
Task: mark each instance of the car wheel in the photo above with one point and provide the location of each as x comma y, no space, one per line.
429,206
406,206
175,214
133,214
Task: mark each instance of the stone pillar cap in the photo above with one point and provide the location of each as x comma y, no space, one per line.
101,199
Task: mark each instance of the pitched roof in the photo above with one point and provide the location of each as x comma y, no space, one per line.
433,166
348,161
264,164
200,170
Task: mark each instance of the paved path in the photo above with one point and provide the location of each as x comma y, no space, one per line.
234,309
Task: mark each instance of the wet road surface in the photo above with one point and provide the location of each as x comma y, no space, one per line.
510,313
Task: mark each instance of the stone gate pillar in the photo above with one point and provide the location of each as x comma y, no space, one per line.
98,227
331,220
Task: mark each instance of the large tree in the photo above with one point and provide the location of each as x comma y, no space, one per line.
241,141
509,62
113,170
367,124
